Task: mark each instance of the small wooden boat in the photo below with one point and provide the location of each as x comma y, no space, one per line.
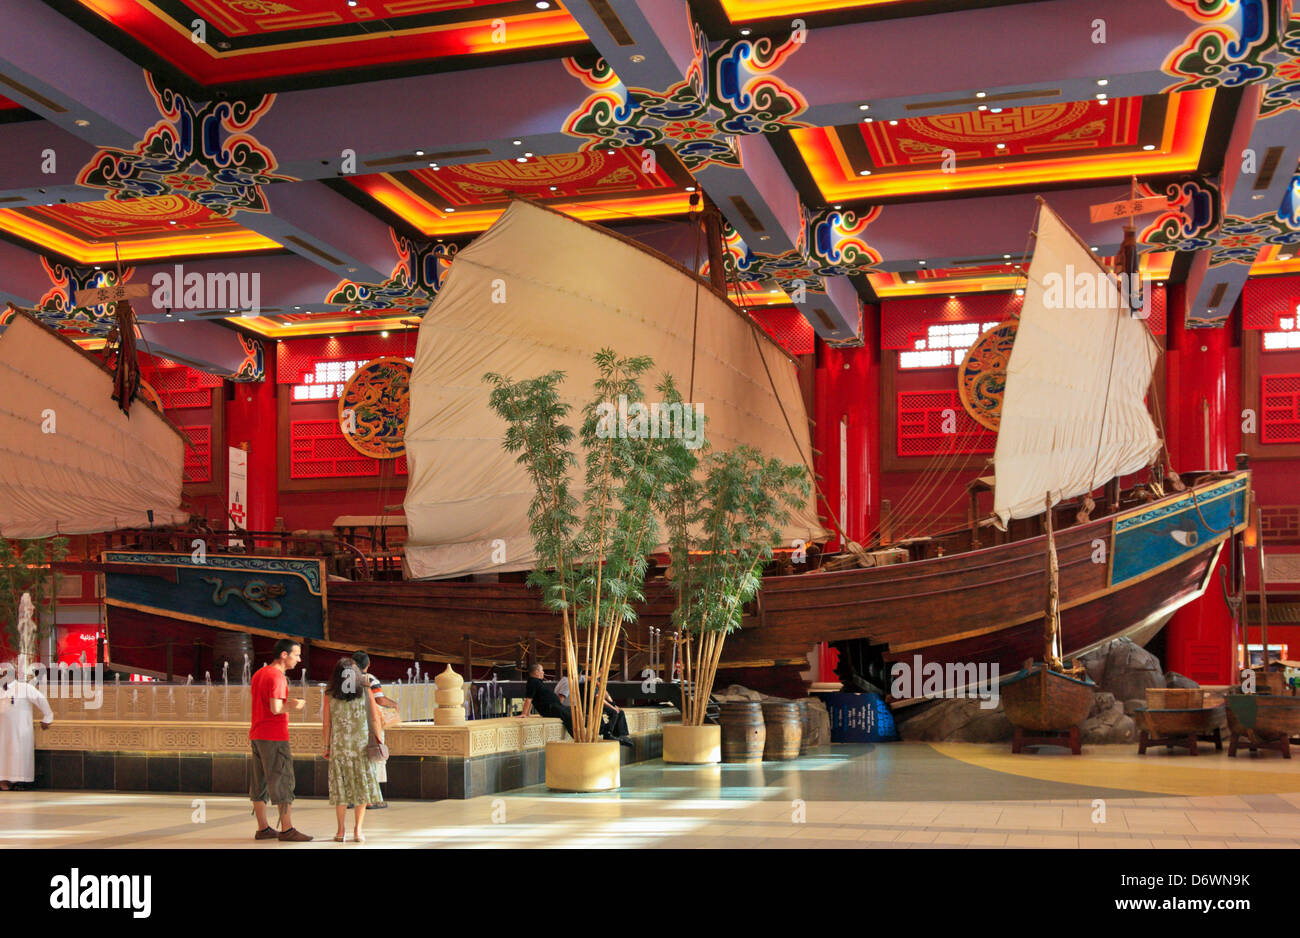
1177,727
1263,721
1046,701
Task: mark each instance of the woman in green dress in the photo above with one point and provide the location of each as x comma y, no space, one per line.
346,729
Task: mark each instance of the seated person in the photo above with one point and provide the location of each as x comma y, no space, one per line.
614,721
538,695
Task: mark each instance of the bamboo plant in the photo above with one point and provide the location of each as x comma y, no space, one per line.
726,519
591,555
28,570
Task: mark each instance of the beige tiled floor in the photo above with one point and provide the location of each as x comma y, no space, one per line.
854,798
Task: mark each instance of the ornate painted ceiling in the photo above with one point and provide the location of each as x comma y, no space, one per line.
339,154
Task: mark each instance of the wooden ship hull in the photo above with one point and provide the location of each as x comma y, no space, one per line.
1180,722
1265,717
1120,575
1044,701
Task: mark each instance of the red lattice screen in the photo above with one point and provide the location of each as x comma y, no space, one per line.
921,431
1264,300
1280,522
317,450
180,386
1279,420
198,454
297,357
787,326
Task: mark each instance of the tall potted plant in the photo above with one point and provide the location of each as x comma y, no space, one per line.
591,556
726,519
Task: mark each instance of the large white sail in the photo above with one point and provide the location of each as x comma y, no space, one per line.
537,292
1073,414
70,461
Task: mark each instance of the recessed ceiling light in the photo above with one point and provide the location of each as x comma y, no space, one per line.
981,94
864,107
419,153
1020,293
952,296
1284,257
521,159
746,31
352,3
1160,283
1002,146
449,209
297,307
1094,250
982,107
555,188
922,263
1149,146
435,167
1101,96
995,110
352,270
180,320
543,4
690,188
1103,81
97,267
864,172
81,122
765,237
911,282
384,334
1006,257
610,152
527,154
518,143
172,222
638,58
893,123
868,120
1257,197
839,206
169,314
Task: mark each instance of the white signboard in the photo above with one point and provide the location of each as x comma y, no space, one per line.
237,500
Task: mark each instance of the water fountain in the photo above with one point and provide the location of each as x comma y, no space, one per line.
247,670
225,690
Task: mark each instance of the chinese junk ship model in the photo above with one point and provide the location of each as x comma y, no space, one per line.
1072,419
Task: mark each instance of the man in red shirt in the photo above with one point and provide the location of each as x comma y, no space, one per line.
272,769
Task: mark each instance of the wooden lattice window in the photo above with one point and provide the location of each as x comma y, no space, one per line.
931,423
317,450
198,454
1280,409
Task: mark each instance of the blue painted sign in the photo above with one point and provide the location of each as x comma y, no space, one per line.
269,594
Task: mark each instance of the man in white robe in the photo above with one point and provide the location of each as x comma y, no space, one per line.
17,737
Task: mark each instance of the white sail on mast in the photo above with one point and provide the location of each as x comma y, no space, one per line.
1073,414
70,461
538,292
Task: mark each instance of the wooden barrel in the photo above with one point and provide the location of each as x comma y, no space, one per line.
784,730
805,726
743,732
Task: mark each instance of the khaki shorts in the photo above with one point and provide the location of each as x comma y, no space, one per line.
271,778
